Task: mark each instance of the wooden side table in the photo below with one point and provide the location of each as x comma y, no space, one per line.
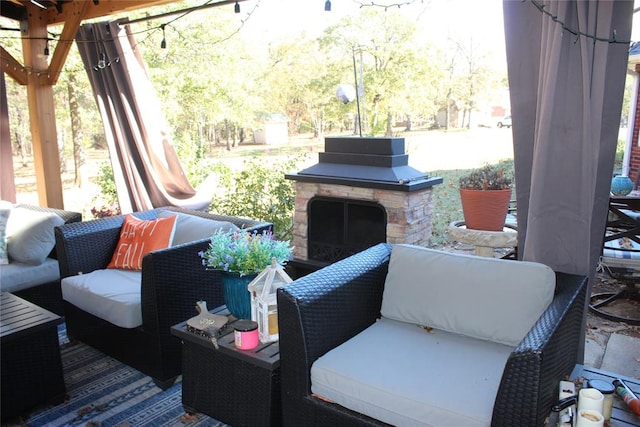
30,352
621,414
237,387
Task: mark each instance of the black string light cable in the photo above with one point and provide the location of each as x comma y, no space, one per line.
387,5
104,62
613,39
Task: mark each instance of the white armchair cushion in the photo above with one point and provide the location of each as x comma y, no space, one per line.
30,236
486,298
110,294
401,374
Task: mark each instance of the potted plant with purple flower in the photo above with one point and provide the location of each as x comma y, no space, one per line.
240,255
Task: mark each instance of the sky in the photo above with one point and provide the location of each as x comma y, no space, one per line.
290,17
438,19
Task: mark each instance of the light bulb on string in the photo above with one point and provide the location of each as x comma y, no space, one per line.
236,8
327,6
163,43
46,48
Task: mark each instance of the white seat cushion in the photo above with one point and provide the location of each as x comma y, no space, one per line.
622,253
17,276
487,298
110,294
403,375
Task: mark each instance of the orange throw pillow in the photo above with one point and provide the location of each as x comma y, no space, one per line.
139,237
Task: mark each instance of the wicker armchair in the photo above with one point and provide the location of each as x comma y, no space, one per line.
326,308
48,295
173,279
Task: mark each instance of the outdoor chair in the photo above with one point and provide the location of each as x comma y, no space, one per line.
37,281
620,259
172,281
339,307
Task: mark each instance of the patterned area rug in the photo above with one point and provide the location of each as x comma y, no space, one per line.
102,392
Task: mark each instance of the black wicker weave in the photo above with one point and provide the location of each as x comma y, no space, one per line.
31,367
173,279
237,387
48,295
324,309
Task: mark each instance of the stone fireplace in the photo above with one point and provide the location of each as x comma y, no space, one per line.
360,193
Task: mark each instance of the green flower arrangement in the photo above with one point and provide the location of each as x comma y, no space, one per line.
243,252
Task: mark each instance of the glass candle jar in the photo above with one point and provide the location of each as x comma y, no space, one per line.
607,389
245,334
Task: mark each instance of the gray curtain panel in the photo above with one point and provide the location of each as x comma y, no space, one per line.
146,168
566,99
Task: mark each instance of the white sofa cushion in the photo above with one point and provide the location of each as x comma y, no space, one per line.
191,228
30,236
403,375
485,298
17,276
110,294
5,211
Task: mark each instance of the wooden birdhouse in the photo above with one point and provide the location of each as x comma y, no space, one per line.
264,305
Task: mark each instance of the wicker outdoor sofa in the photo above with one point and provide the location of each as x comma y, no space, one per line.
173,280
328,308
36,283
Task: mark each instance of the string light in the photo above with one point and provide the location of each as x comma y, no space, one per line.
236,8
327,6
163,43
46,48
103,63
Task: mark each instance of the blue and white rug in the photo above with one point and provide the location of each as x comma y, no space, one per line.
102,392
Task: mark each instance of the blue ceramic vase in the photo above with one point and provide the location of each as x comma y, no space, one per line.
236,294
621,185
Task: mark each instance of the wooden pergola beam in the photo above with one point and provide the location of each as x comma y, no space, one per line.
102,8
67,37
12,67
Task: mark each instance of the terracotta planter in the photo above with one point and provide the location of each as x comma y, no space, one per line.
485,209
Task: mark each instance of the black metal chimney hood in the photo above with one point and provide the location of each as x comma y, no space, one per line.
366,162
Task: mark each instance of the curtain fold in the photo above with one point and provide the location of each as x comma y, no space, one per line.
566,99
146,168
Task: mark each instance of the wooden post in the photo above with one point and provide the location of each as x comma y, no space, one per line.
41,110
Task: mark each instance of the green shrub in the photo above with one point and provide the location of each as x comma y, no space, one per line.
259,191
105,203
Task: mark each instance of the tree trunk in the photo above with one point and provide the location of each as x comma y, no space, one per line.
76,130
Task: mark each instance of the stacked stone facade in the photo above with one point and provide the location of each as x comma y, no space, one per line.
408,213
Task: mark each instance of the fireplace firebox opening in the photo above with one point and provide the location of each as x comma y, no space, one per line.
339,228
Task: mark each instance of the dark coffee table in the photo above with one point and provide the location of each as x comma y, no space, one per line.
31,364
621,414
237,387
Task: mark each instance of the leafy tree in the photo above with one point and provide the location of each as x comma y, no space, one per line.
392,59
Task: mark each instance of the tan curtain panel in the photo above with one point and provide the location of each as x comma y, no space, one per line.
146,168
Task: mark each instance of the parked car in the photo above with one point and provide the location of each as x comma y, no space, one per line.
506,122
